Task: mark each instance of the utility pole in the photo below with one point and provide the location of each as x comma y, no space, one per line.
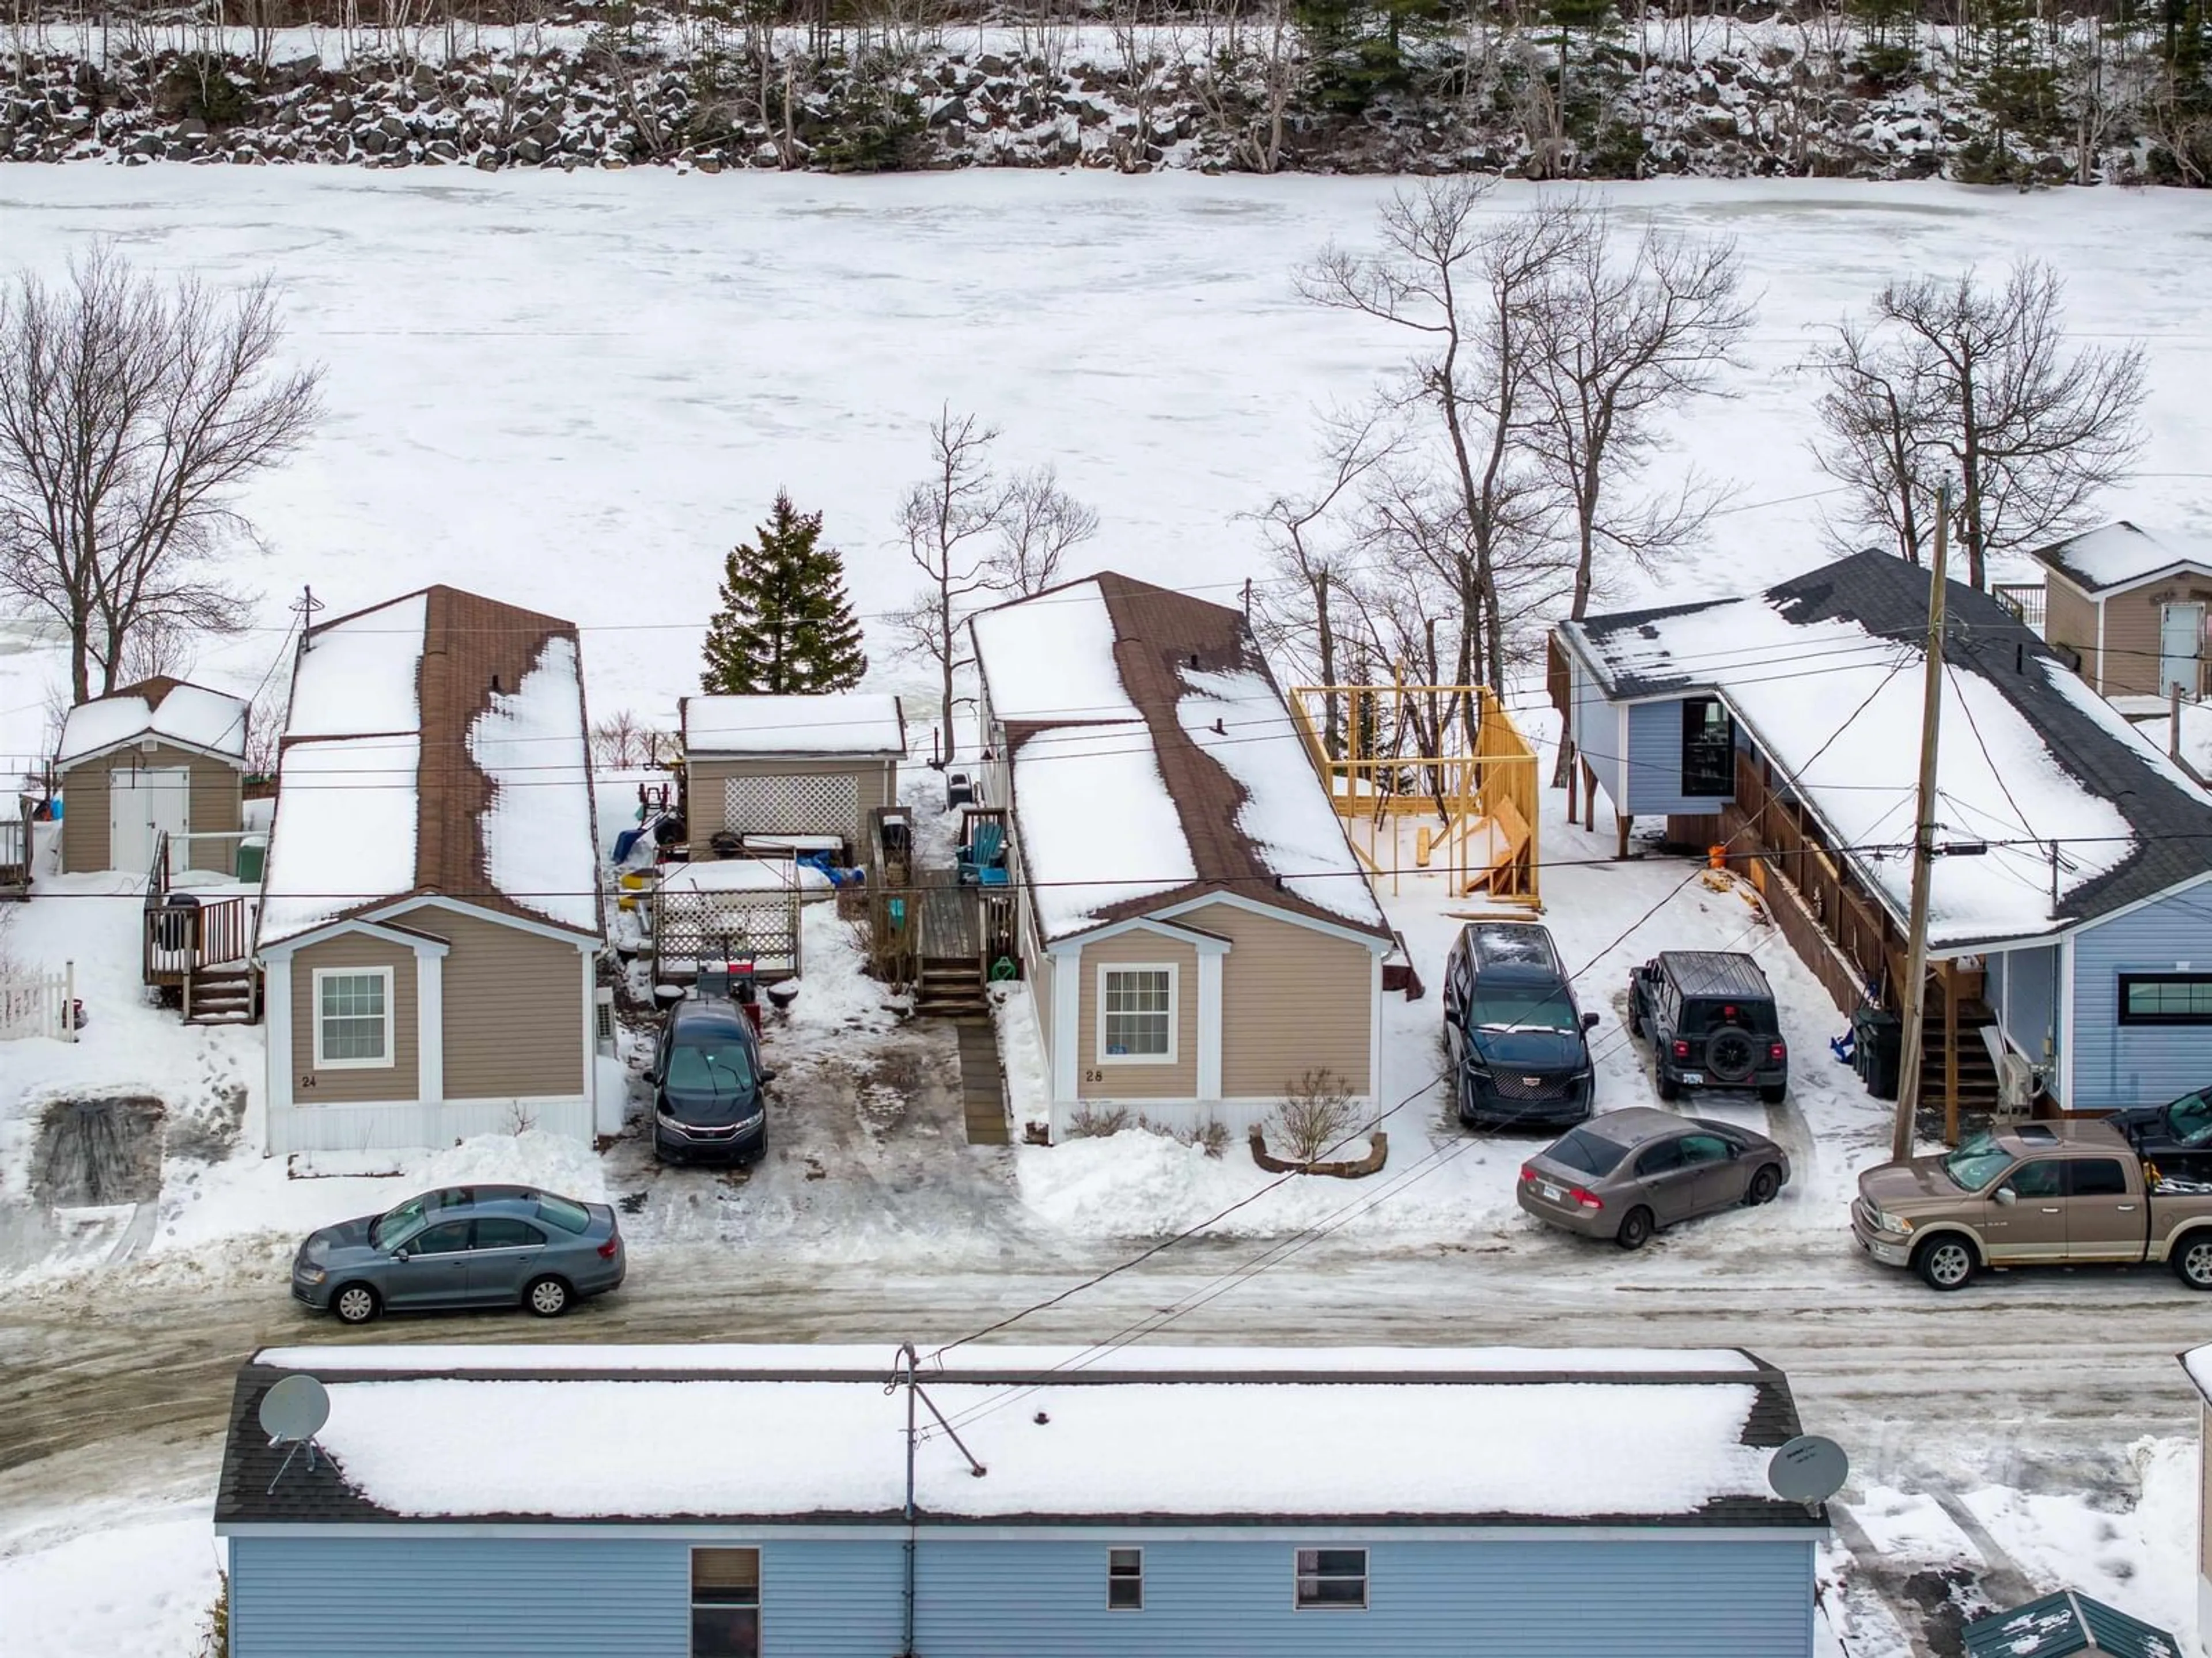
1924,845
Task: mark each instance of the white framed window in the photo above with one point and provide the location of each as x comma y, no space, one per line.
1125,1580
726,1603
1332,1580
353,1017
1137,1013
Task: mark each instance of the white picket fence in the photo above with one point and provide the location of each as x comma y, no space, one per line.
38,1005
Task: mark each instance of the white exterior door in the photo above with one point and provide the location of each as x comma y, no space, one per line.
2180,643
142,805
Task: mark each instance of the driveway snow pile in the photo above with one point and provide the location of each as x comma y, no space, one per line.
137,1586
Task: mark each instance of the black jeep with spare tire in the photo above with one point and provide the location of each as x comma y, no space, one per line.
1709,1015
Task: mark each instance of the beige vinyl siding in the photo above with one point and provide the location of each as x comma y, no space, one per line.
514,1008
212,809
2136,623
704,797
2069,618
1292,999
1178,1081
402,1078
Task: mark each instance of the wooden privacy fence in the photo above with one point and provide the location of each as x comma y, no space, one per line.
38,1005
1782,834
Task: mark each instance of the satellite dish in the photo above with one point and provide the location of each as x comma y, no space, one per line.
1808,1469
292,1413
294,1410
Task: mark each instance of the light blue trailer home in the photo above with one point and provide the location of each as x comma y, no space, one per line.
728,1503
2070,914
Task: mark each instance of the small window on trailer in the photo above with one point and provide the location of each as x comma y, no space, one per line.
2166,999
353,1017
1125,1580
726,1603
1332,1580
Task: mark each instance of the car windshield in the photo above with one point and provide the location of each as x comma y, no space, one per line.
1591,1153
710,1063
1535,1008
1977,1163
2190,1119
397,1223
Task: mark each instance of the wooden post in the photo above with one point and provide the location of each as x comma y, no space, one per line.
1621,820
1590,796
1949,970
1574,774
1915,989
2174,720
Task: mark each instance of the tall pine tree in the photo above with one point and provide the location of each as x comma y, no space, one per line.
785,625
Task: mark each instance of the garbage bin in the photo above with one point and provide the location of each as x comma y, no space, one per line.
173,922
1878,1039
253,852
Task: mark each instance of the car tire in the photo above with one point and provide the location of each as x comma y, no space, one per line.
548,1297
2193,1260
1636,1229
1765,1185
1775,1095
1731,1055
1946,1263
356,1304
1634,1016
1669,1090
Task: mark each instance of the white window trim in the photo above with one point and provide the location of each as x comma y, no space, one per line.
391,1018
1174,1013
1112,1550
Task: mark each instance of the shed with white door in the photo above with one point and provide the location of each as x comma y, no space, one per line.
2130,607
160,756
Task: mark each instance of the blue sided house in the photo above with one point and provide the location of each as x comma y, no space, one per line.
701,1502
2070,914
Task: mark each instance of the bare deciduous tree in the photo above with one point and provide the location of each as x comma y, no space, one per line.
1317,1115
1466,291
2031,432
1038,522
129,411
621,741
1622,342
949,519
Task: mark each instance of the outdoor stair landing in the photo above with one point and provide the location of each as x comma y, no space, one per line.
222,996
982,1084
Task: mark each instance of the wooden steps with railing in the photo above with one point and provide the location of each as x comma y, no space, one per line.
223,995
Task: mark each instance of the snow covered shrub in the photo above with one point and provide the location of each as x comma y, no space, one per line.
1210,1137
1316,1115
1089,1123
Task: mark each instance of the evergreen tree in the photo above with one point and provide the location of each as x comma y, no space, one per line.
785,624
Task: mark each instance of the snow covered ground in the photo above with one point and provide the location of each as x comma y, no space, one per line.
577,392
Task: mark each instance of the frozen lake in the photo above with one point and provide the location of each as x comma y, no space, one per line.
577,391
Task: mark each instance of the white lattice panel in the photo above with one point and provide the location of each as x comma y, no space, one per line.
793,805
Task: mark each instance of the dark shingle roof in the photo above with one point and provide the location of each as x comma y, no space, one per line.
2171,819
2062,1623
250,1492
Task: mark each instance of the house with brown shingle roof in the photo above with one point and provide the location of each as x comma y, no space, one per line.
430,922
1194,927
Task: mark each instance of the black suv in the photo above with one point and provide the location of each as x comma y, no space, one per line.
709,1102
1512,1030
1710,1014
2176,1137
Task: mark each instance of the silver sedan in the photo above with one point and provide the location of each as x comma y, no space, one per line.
1626,1174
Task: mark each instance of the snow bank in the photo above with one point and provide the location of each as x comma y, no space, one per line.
1286,815
551,1162
358,674
851,723
588,1449
836,995
344,833
1098,825
191,714
1051,659
743,875
130,1584
536,833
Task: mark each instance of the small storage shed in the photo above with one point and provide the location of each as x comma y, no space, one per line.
2132,608
780,771
160,756
2059,1625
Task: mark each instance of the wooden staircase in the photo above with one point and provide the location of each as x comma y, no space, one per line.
1978,1071
951,987
222,995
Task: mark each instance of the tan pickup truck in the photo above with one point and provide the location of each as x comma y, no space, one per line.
2042,1195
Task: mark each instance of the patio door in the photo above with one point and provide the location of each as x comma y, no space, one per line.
2180,646
143,804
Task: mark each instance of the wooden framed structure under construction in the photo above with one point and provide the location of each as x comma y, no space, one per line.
1429,780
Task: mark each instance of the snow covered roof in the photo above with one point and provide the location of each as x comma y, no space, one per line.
1824,674
2119,554
1125,796
169,710
2062,1623
852,724
1153,1436
435,746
